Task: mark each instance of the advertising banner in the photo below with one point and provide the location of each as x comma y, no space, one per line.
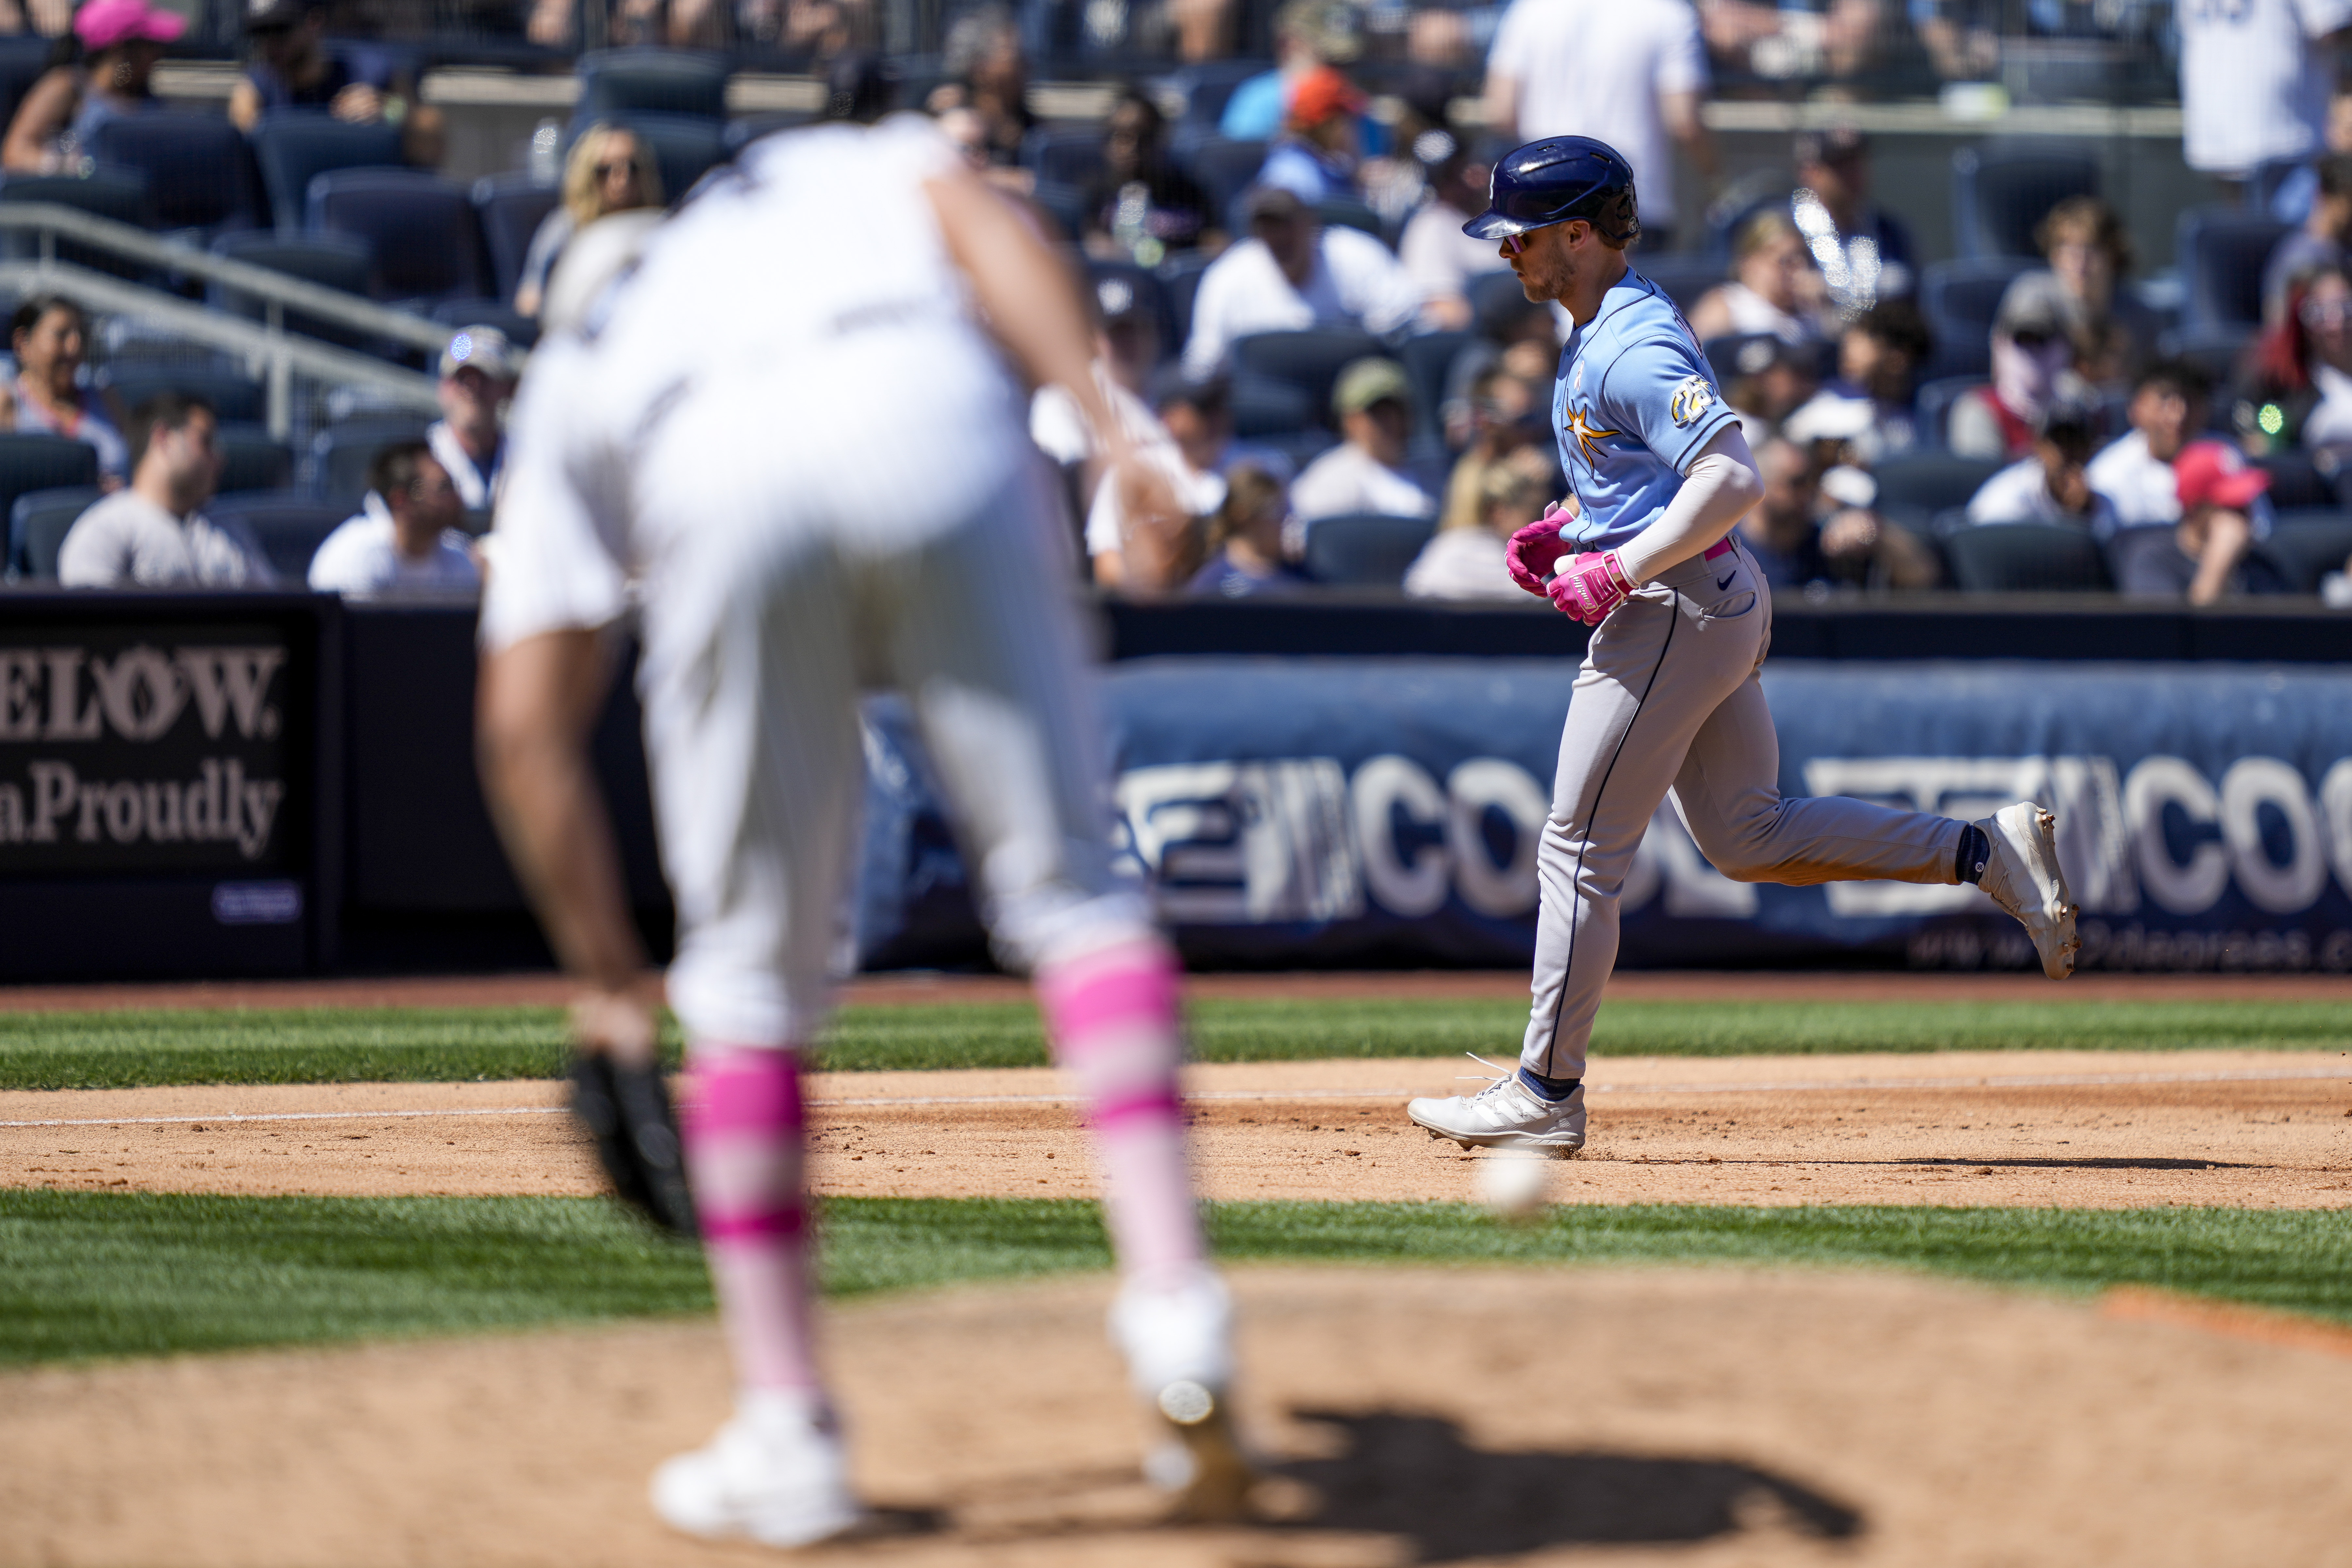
1347,810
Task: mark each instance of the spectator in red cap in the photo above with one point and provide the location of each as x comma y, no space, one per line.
1321,144
119,40
2198,558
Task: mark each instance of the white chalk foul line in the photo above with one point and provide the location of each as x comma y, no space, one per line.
1842,1085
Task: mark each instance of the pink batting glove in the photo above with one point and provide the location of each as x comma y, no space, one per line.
1535,549
1590,586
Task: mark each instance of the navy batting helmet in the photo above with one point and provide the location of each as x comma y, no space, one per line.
1556,179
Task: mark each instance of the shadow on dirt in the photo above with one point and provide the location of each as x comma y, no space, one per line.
1413,1476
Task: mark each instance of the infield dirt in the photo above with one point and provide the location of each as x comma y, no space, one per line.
2088,1130
1693,1417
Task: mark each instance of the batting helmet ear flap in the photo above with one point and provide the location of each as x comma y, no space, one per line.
1617,218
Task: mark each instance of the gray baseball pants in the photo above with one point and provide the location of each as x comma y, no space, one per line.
1668,697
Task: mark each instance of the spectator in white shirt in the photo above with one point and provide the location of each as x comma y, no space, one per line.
1293,273
1366,472
1467,562
2254,81
2048,485
2156,532
1440,257
479,372
1628,72
405,540
153,533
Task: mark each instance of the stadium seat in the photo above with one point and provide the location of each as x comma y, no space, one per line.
1208,85
236,397
419,229
199,170
1959,299
1065,204
1224,170
1310,361
1915,486
329,261
1346,212
341,454
2000,194
1365,547
2307,544
1263,408
1931,407
1181,277
2026,558
2296,483
24,57
2220,252
251,459
618,82
1143,286
1428,361
117,194
1063,155
685,146
295,147
1300,448
1683,277
39,522
741,133
511,208
29,463
289,525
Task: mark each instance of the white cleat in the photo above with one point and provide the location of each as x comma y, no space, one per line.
1504,1115
2023,876
1179,1347
777,1474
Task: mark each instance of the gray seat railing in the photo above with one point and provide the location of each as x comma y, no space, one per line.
264,344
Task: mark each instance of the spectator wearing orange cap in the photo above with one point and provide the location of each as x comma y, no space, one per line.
1321,144
2220,503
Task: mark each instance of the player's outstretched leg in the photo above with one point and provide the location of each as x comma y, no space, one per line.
777,1473
2018,870
1111,1013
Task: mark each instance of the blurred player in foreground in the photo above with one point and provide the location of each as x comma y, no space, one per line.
1669,696
785,433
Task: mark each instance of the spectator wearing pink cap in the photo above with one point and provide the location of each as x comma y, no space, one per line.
121,41
2197,559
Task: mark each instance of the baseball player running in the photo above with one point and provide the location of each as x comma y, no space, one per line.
1668,696
786,435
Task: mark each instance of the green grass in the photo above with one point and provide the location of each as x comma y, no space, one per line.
91,1274
122,1049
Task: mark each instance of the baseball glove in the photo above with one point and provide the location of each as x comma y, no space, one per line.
628,1110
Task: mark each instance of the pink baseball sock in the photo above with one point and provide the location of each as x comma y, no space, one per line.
743,1123
1111,1016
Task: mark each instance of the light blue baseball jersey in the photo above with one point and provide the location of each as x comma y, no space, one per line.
1633,402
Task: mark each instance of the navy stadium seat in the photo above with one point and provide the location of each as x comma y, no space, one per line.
236,397
1063,155
1960,300
741,133
2026,558
341,455
24,57
39,522
1224,170
2296,483
199,170
616,82
1346,212
1309,360
2220,252
1065,204
251,459
1428,360
330,260
1300,448
120,194
1915,486
296,146
1180,275
2002,193
511,208
419,229
1365,547
29,463
289,525
1264,408
2307,544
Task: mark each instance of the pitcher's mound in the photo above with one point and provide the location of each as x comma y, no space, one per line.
1702,1415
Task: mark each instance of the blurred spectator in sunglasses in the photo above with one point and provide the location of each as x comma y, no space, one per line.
2318,243
610,171
1141,205
2032,368
2296,388
1867,405
1774,287
1864,254
1440,258
2090,254
1292,273
1321,142
288,67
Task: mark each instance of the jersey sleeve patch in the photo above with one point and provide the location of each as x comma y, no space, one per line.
1690,401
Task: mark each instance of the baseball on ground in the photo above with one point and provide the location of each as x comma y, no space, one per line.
1514,1184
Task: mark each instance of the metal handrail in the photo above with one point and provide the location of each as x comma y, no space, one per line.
277,290
285,353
